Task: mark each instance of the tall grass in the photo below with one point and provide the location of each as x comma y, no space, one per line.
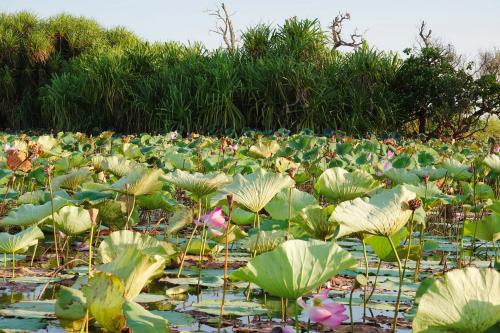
68,73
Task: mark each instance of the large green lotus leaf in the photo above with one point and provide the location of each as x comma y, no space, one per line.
197,183
71,308
141,320
456,170
296,267
315,221
466,301
278,206
22,325
337,184
180,161
73,220
401,176
254,191
264,149
105,299
135,258
117,165
20,241
493,162
72,180
140,181
383,214
27,215
487,229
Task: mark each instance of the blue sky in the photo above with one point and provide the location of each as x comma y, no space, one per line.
387,24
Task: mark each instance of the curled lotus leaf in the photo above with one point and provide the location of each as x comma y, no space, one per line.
197,183
337,184
383,214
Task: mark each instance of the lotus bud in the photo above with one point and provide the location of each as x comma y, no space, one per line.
93,214
230,200
426,179
414,204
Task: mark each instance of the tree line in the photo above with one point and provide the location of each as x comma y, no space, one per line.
70,73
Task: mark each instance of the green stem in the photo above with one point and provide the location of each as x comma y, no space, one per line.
396,310
185,251
53,219
375,282
289,213
226,255
366,275
13,264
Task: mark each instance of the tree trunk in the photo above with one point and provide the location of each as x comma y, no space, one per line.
422,120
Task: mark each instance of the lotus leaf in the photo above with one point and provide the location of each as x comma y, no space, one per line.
466,300
21,241
134,257
73,220
296,267
383,214
28,214
254,191
337,184
139,181
197,183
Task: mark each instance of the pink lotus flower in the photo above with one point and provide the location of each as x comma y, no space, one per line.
387,165
320,309
173,135
390,154
497,149
215,221
233,147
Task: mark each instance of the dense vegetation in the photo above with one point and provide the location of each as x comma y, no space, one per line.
164,233
69,73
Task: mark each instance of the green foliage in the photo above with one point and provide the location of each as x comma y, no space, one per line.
69,73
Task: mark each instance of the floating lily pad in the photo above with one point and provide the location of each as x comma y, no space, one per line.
231,307
30,309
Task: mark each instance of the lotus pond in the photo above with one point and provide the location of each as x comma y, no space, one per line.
259,233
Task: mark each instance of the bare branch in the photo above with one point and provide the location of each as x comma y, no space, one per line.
336,29
224,26
425,35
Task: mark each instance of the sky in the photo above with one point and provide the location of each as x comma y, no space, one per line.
469,25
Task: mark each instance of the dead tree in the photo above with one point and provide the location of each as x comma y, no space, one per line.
224,26
425,36
336,29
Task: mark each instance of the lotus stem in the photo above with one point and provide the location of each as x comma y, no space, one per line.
462,234
421,242
289,213
366,275
90,250
185,251
129,215
226,255
396,309
49,173
410,236
33,255
189,241
374,282
13,264
350,309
